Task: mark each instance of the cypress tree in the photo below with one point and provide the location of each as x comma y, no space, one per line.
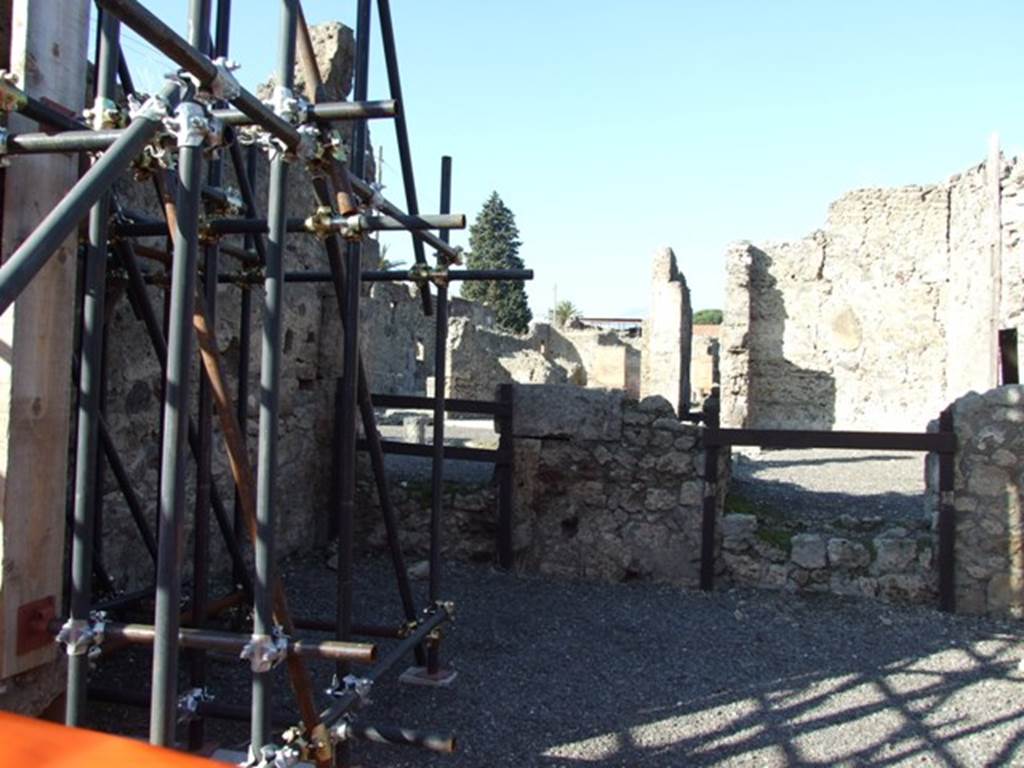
494,244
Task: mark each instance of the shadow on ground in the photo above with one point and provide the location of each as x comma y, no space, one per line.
564,674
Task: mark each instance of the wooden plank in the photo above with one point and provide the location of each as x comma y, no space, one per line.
925,442
453,452
48,53
451,405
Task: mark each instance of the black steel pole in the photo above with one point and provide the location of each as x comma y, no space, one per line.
437,459
163,712
247,171
89,394
204,427
339,275
387,33
36,250
347,451
270,382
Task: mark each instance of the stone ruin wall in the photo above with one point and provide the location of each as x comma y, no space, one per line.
988,501
882,317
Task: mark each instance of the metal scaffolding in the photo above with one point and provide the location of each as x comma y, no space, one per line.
197,120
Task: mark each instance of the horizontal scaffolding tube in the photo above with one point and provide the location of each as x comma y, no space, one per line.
164,39
232,643
19,269
398,736
326,111
69,141
226,227
80,139
375,276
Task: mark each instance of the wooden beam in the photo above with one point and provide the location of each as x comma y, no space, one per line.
48,53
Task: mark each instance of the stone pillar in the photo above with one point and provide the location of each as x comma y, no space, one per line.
47,52
667,332
734,346
988,501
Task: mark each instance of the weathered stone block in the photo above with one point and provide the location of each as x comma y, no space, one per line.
847,555
893,555
808,551
738,531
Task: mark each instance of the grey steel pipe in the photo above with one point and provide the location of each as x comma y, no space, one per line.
89,396
22,265
387,33
233,644
324,111
437,459
270,392
355,224
163,712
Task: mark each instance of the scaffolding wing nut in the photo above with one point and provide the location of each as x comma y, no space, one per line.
188,704
80,636
264,652
12,98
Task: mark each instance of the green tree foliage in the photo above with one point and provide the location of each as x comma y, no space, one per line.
494,244
707,317
563,312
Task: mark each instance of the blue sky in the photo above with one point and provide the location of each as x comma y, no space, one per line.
611,129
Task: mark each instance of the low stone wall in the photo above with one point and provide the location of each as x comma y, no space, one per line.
988,502
857,557
606,487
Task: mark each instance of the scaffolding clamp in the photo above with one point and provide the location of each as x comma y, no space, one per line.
317,746
350,685
265,652
224,86
191,127
81,636
104,114
154,108
188,704
320,223
288,106
420,274
12,98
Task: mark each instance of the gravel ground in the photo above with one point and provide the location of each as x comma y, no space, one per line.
556,673
817,486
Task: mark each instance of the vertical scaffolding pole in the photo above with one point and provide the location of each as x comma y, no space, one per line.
90,382
204,452
184,226
244,351
437,462
270,379
349,384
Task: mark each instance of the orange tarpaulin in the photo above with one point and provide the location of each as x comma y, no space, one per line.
38,744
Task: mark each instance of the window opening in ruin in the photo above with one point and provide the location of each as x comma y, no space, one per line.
1009,372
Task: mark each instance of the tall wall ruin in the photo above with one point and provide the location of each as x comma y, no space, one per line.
884,316
667,334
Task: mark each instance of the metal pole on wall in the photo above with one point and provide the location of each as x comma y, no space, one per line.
270,394
437,460
90,382
163,710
